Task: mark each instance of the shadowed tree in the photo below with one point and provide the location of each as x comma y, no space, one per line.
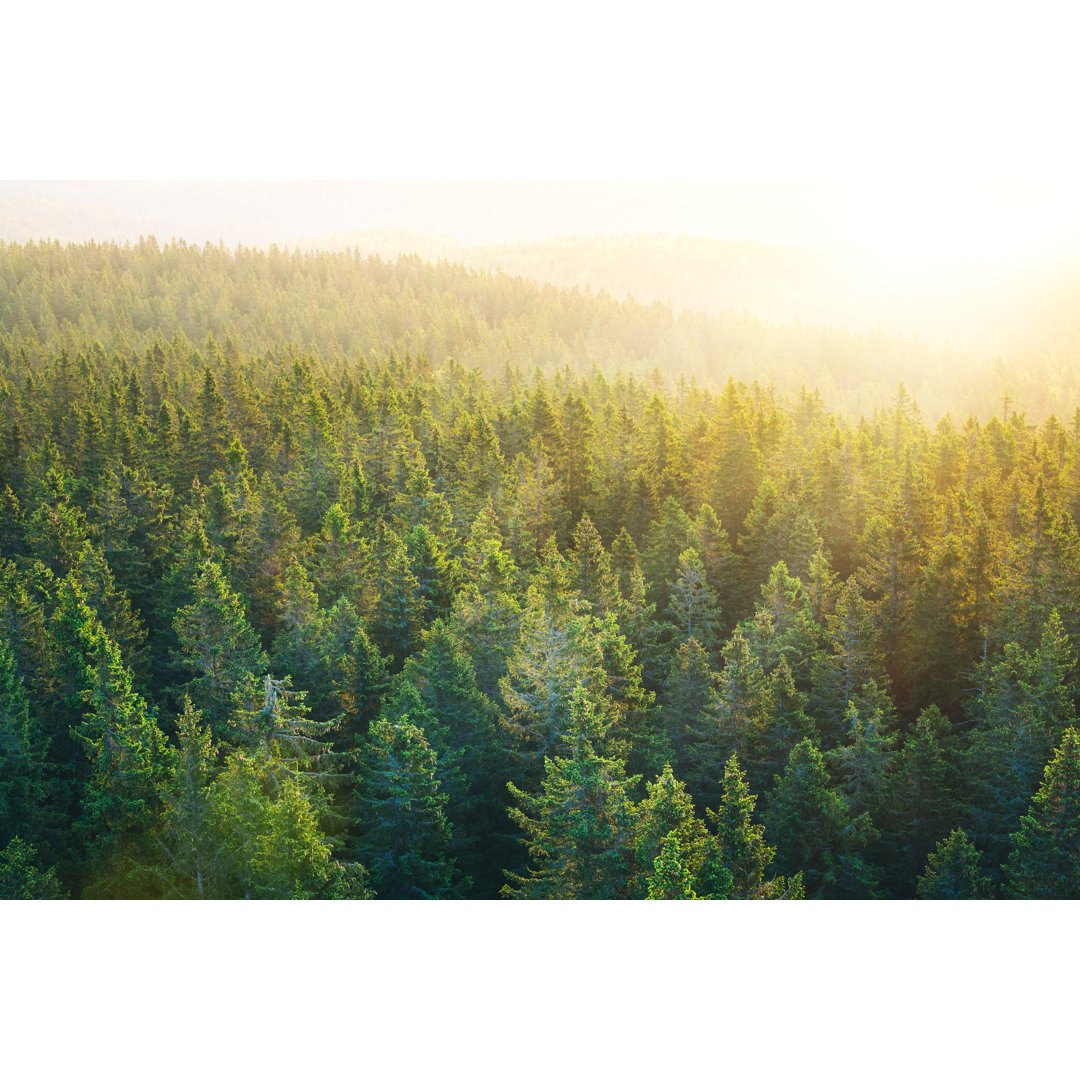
952,872
578,828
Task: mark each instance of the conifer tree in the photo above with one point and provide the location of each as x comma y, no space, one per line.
922,799
815,832
667,814
558,652
692,608
217,642
405,838
190,862
270,838
485,608
23,785
1022,707
437,690
578,828
1045,860
129,764
952,872
671,879
22,879
592,573
742,850
743,711
360,681
689,703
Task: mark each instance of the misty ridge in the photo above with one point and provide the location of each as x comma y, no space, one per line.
797,287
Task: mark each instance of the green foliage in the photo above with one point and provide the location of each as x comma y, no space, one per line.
368,532
578,829
22,755
667,831
20,877
1044,863
405,838
815,831
670,879
1023,705
129,762
217,642
741,843
952,872
266,828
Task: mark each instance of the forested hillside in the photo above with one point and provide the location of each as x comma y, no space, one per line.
322,576
125,297
958,334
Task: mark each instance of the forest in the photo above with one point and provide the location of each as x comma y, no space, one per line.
324,576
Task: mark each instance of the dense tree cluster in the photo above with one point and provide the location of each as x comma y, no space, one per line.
252,301
283,617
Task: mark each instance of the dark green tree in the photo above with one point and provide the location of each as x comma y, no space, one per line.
578,828
1044,863
405,839
953,873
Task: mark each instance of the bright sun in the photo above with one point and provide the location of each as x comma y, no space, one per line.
981,224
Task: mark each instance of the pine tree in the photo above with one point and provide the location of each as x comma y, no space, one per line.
667,814
190,863
23,747
405,839
742,848
557,653
1022,707
689,704
922,799
21,878
269,835
438,691
671,879
1045,860
592,573
129,764
485,608
952,872
217,642
578,829
743,712
692,608
815,832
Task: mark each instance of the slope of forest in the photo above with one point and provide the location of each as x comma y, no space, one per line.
322,576
341,304
961,336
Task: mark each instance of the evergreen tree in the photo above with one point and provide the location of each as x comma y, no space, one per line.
21,878
692,607
23,785
405,839
578,829
742,848
922,799
129,765
671,879
952,872
217,642
1045,860
815,832
190,864
665,818
1022,707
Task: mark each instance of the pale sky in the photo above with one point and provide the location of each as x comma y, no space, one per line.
909,104
565,89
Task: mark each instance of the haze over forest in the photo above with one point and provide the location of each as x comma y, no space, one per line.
981,275
579,541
